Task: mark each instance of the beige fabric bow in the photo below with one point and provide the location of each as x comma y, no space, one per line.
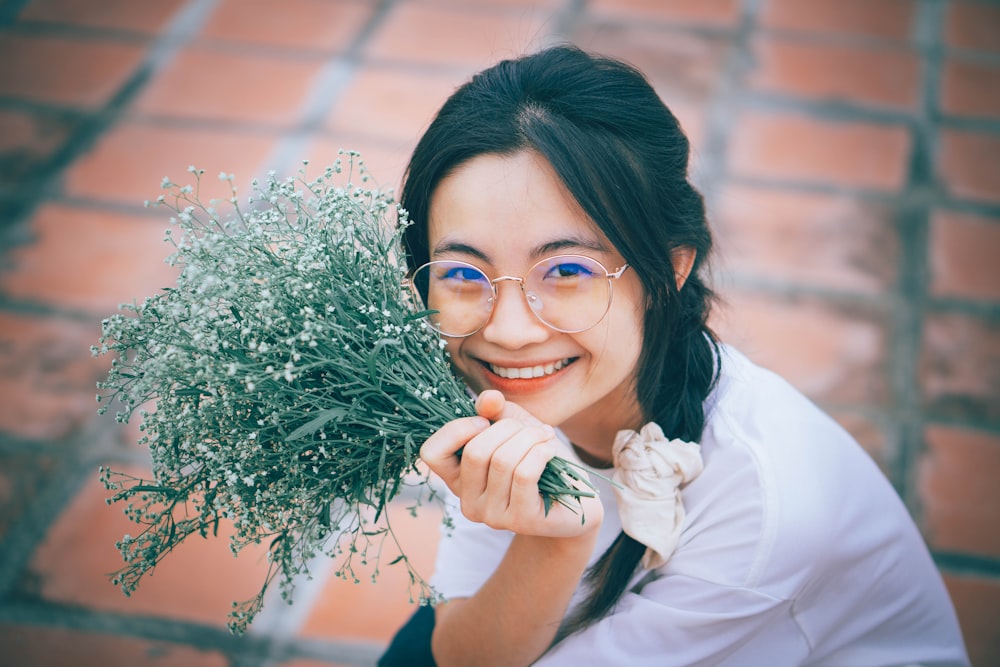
650,469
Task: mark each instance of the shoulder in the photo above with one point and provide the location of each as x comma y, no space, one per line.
785,490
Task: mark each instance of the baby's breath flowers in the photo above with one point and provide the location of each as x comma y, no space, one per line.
290,378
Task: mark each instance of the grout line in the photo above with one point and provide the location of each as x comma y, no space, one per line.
913,227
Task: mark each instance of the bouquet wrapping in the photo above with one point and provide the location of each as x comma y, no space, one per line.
286,381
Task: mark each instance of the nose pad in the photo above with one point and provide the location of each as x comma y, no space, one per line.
510,324
534,302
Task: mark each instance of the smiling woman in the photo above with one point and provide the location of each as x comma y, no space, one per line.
729,540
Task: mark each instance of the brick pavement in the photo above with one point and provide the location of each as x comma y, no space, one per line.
847,148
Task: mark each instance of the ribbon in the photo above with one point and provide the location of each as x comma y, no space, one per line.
650,469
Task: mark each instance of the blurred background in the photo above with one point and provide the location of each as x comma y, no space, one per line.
848,150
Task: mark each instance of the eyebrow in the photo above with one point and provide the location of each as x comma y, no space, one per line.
547,248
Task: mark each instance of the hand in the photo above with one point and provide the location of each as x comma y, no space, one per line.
496,477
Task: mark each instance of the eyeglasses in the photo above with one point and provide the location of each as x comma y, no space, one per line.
568,293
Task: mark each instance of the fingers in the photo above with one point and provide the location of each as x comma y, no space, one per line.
439,451
492,405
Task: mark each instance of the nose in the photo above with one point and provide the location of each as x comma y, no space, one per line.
512,324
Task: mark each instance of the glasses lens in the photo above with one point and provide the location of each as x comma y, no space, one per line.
459,292
570,293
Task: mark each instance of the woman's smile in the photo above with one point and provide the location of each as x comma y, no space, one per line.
582,382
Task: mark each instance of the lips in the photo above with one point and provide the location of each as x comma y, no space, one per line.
529,372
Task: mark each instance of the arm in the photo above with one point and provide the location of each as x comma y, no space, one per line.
513,618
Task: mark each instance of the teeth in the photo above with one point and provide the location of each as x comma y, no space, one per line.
528,372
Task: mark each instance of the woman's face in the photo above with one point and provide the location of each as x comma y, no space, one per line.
503,214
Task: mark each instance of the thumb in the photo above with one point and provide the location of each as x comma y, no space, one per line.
492,405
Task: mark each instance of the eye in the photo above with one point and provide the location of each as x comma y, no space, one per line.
569,270
462,274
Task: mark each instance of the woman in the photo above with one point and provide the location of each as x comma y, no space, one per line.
556,233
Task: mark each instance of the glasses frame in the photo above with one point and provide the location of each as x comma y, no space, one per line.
611,276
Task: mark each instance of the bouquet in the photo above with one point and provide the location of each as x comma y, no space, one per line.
285,383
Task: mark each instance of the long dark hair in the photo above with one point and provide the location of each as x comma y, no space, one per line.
624,158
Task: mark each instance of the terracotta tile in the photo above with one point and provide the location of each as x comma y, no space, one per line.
47,375
28,141
204,83
89,260
963,256
960,367
976,601
889,19
966,163
467,40
374,611
808,150
843,362
885,77
685,67
385,160
145,17
296,24
958,490
65,71
392,102
39,646
970,88
196,582
973,25
834,242
713,12
129,162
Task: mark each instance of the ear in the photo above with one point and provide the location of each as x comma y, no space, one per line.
683,260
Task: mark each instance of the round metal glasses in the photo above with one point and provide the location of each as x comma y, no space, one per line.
568,293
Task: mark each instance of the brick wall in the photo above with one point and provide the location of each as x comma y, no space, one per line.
848,150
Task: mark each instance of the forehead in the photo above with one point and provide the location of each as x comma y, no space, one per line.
509,207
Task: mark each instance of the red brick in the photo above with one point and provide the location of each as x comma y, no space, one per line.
64,71
431,34
712,12
385,159
374,611
123,263
967,164
144,17
960,367
39,646
129,162
392,103
843,361
963,255
889,19
970,88
47,375
887,77
976,601
973,25
298,24
959,491
203,83
808,150
835,242
27,141
196,582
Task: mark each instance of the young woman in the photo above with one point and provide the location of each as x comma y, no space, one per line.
557,235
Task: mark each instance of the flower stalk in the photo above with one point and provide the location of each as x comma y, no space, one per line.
285,383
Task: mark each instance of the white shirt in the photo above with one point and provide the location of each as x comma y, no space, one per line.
795,550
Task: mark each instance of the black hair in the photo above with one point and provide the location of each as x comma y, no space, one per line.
623,156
